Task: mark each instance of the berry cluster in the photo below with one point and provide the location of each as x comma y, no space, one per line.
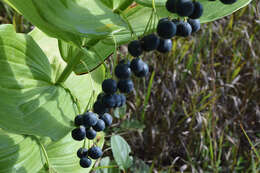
88,124
184,8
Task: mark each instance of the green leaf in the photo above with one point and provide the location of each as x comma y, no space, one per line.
91,57
31,102
121,150
63,154
70,19
104,165
212,10
85,86
19,154
117,4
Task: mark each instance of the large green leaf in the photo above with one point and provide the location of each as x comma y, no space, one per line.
70,19
121,150
212,11
63,154
117,4
19,154
81,87
91,57
31,102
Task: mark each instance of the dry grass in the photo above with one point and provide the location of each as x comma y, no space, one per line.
204,93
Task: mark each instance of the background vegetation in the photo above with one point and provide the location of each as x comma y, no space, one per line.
199,109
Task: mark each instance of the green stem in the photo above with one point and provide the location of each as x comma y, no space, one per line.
68,69
45,155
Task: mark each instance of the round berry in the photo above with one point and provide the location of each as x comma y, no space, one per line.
150,42
166,29
107,118
163,19
195,24
175,21
91,134
228,1
165,45
82,152
109,86
134,48
85,162
125,85
78,120
123,99
99,107
171,6
144,71
198,10
184,7
122,71
183,29
100,126
137,65
89,119
124,62
79,133
118,101
100,96
109,101
95,152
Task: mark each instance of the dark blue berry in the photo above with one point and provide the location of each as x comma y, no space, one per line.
123,61
125,85
176,21
107,118
100,96
135,48
228,1
91,134
95,152
150,42
109,86
184,7
89,119
198,10
195,24
144,71
122,71
78,120
123,99
137,65
165,45
171,6
183,29
118,101
82,152
109,101
99,107
163,19
85,162
166,29
100,126
79,133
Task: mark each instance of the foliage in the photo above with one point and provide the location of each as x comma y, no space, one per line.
42,91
